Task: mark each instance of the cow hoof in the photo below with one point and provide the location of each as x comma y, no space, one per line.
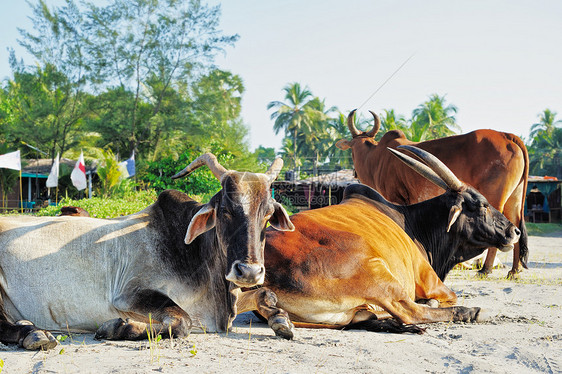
431,303
39,339
483,315
513,274
282,327
110,329
483,273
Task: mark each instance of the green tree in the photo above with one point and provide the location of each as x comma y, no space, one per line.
292,116
546,125
41,109
265,156
392,121
433,119
339,130
316,138
143,53
545,148
155,44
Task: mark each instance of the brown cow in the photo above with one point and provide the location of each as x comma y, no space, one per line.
73,211
355,264
495,163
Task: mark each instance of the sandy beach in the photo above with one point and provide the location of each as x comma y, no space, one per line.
523,335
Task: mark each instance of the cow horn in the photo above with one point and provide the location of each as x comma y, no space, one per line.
274,169
420,167
437,166
376,127
351,125
208,159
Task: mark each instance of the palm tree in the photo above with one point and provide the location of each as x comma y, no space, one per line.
287,151
316,138
392,121
292,115
433,119
546,123
545,150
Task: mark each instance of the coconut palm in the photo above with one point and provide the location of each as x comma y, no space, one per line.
546,124
433,119
291,116
316,138
545,150
392,121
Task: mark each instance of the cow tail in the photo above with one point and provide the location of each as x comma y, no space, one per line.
523,239
523,248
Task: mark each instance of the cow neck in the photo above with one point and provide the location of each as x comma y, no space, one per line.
426,223
201,263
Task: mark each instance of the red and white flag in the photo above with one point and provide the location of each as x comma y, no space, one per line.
78,175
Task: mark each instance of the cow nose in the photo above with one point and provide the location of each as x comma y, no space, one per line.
246,275
517,231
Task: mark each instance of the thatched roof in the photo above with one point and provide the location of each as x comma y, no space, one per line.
43,166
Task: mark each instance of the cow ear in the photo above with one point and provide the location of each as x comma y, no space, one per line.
343,144
280,219
202,221
453,215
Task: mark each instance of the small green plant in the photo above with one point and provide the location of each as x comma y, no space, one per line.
193,351
61,351
1,365
153,340
61,338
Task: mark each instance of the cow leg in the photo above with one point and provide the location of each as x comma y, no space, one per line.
513,212
265,302
25,334
430,290
489,262
168,318
389,294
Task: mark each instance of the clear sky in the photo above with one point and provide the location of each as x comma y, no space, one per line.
499,62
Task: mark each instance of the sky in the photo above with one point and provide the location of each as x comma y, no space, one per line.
499,62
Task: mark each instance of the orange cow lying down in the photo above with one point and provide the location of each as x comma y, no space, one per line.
360,262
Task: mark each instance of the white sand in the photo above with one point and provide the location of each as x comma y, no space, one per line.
524,335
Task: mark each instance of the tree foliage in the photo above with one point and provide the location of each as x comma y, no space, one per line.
545,148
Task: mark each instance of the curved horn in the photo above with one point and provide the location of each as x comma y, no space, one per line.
208,159
274,169
437,166
376,127
351,125
420,167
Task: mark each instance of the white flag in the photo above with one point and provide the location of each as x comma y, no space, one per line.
53,179
78,175
11,160
127,167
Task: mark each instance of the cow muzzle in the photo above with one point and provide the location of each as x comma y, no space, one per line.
511,239
246,275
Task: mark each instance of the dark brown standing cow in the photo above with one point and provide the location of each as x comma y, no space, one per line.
179,261
357,263
495,163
